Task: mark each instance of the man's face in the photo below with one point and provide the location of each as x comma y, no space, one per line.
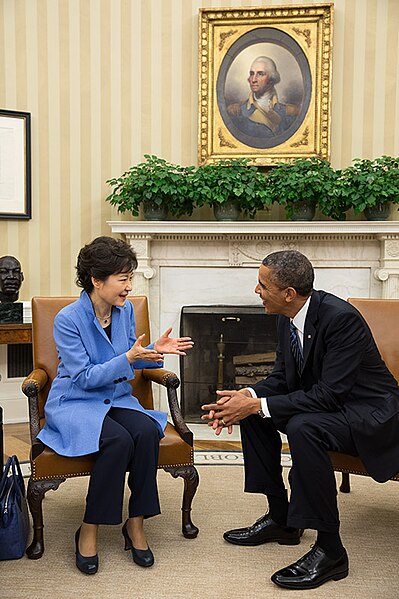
258,78
11,276
273,297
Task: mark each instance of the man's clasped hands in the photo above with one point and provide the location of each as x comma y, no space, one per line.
231,407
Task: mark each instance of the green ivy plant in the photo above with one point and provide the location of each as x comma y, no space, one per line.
231,181
369,183
308,180
154,180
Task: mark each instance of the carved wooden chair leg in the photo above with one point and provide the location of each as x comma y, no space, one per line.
36,491
191,480
345,483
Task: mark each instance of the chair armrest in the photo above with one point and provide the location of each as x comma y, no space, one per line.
171,381
31,386
34,382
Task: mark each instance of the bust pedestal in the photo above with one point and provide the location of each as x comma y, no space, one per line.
11,313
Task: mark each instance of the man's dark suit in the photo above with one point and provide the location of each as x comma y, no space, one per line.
345,399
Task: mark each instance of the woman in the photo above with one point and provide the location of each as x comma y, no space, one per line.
90,408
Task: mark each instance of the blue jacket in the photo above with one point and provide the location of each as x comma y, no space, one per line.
93,376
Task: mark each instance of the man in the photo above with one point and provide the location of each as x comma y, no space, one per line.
262,115
11,277
329,390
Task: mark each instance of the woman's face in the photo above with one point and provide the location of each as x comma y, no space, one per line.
115,289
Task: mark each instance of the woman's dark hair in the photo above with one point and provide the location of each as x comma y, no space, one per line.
289,268
103,257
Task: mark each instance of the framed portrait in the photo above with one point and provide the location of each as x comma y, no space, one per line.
265,83
15,165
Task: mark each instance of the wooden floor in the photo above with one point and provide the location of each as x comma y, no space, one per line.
17,441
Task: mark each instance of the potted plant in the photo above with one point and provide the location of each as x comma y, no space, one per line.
155,184
370,186
302,184
230,186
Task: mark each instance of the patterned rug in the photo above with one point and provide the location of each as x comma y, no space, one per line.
228,458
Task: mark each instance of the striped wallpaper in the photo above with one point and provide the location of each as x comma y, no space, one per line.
107,81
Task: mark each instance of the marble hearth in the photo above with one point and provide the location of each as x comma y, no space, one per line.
185,263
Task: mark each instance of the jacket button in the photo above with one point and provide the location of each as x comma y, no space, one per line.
116,381
120,380
107,401
125,378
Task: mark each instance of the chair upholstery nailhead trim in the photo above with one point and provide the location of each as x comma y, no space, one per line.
75,474
175,465
352,471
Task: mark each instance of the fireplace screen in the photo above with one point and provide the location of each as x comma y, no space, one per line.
234,346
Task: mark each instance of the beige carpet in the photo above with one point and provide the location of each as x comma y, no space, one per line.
208,567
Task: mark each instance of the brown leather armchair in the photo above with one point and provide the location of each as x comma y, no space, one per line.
48,469
382,316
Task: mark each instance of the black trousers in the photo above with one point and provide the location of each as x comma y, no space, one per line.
313,500
129,442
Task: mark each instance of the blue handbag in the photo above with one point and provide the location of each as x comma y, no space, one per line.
14,519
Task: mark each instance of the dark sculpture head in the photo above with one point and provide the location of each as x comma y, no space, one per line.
11,277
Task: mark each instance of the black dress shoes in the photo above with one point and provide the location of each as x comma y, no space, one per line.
87,565
265,530
312,570
141,557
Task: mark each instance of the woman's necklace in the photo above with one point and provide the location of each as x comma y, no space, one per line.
105,319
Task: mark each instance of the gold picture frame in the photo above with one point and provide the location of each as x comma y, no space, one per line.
292,119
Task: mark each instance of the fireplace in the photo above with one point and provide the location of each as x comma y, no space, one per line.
234,347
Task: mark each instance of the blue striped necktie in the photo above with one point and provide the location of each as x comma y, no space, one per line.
296,348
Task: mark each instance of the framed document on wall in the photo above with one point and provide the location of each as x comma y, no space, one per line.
15,165
265,83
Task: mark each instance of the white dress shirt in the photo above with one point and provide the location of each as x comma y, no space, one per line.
299,323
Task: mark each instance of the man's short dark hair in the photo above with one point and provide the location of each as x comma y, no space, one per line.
103,257
289,268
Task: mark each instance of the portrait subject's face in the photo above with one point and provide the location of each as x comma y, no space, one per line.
258,79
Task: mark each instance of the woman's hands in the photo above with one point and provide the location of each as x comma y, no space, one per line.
171,345
138,352
164,345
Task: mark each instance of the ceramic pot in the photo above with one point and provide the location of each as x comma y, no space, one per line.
303,210
151,211
378,212
226,211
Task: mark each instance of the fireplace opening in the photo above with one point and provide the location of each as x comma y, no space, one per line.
234,347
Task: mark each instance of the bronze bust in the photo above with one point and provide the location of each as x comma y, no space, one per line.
11,277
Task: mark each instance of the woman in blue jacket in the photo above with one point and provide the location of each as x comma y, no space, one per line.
90,407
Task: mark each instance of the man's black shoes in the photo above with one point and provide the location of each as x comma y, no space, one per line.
312,570
265,530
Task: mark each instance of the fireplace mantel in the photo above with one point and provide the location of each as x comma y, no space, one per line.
212,228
